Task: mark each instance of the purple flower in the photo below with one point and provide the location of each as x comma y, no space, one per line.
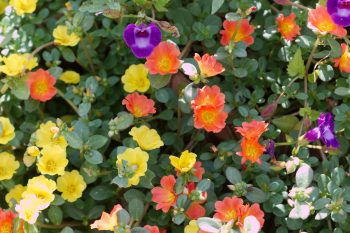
324,131
270,149
339,11
142,39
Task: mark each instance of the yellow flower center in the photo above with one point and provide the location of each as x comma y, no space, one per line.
326,26
164,64
41,87
251,150
137,111
231,215
208,117
71,189
7,228
2,171
287,27
51,166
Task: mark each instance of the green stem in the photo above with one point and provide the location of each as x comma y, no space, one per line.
297,5
69,102
277,144
37,50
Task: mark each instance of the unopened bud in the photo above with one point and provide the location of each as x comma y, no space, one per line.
269,110
166,26
33,151
54,130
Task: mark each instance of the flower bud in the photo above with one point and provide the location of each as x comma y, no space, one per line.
269,110
33,151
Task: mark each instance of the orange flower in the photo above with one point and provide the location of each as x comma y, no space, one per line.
152,229
228,209
321,22
107,221
242,34
208,65
253,210
164,196
253,129
287,26
251,150
164,59
41,85
210,118
6,222
198,171
344,61
209,96
195,211
139,105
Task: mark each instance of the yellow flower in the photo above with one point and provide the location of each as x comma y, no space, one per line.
46,135
8,165
136,164
192,227
42,188
135,79
15,194
16,64
23,6
29,208
71,185
62,37
53,162
70,77
148,139
7,131
185,162
3,5
33,151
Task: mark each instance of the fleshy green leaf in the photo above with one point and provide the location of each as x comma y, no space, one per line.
296,66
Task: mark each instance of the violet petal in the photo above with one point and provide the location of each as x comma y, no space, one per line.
339,11
313,134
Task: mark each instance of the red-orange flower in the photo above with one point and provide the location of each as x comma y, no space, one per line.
139,105
198,171
210,118
242,34
344,61
253,129
107,222
208,65
164,196
253,210
321,22
6,222
164,59
195,211
154,229
228,209
41,85
287,26
251,150
209,96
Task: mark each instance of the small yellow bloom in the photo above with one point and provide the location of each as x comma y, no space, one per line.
8,165
29,208
46,136
28,160
42,188
23,6
15,194
70,77
16,64
62,37
148,139
136,164
3,5
135,79
33,151
7,131
53,162
72,185
192,227
185,162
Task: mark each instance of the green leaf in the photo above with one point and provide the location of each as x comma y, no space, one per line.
56,72
139,230
215,5
102,192
55,215
123,217
159,81
136,208
93,157
304,176
95,212
233,175
109,8
256,195
162,95
134,193
30,228
342,91
84,109
286,123
325,72
296,66
73,139
68,54
90,172
123,120
160,5
20,89
204,185
97,141
336,50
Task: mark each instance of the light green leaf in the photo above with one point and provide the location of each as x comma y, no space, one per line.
136,208
93,157
233,175
55,215
160,5
296,66
97,141
215,5
73,140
